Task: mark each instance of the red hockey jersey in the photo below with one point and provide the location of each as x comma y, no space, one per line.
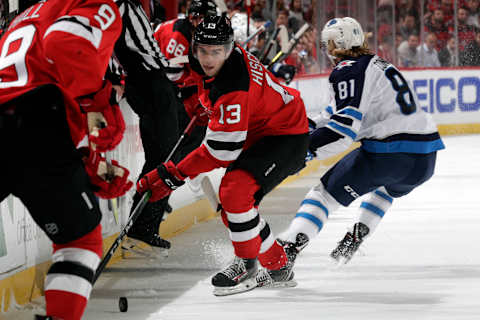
174,38
244,102
64,42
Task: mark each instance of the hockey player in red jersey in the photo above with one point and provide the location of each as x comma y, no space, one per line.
174,39
53,101
258,130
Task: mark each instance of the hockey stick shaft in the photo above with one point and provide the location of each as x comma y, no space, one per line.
210,193
138,209
268,45
253,35
291,45
110,175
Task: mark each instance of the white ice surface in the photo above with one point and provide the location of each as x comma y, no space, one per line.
423,262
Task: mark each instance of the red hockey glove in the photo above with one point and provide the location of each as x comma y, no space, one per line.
194,108
105,120
162,181
111,180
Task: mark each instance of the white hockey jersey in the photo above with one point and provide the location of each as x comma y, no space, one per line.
373,103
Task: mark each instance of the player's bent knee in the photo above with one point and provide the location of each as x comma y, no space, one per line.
237,191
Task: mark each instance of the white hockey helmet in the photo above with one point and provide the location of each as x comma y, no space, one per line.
346,33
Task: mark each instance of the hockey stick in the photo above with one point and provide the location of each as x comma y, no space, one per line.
112,203
268,45
282,34
253,35
291,45
210,193
138,209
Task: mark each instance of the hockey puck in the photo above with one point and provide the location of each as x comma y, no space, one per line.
123,304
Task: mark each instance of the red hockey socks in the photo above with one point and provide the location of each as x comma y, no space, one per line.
69,280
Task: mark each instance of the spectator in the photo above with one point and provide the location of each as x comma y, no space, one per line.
466,32
398,40
295,16
405,7
435,24
282,18
471,55
281,5
408,25
258,9
447,56
385,49
446,6
426,52
473,12
407,52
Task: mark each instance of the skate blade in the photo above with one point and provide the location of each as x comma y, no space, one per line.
244,286
339,261
138,247
280,284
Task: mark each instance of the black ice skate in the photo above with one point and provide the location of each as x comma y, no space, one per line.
349,244
238,277
145,229
39,317
283,277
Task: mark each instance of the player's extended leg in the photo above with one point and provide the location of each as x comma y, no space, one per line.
350,178
373,169
311,216
236,194
270,161
371,213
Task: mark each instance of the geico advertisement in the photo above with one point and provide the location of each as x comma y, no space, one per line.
451,96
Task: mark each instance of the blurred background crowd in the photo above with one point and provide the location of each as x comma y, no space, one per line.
408,33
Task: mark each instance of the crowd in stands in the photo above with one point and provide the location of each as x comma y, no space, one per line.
407,34
436,35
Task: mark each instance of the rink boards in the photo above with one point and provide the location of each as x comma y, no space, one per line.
451,96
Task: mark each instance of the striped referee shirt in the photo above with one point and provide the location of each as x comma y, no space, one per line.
137,48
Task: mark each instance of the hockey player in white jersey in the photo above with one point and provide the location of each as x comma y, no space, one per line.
373,104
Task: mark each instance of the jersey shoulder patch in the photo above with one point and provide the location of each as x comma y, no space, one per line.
344,63
350,68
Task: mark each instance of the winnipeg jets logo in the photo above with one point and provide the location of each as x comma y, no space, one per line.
344,63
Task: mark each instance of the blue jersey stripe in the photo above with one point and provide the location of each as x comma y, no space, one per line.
353,113
310,217
317,204
329,109
384,196
372,208
345,131
402,146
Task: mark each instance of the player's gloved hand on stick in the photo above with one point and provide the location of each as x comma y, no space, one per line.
197,109
162,181
111,179
105,120
284,71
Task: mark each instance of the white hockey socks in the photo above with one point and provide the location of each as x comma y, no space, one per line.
312,214
374,208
